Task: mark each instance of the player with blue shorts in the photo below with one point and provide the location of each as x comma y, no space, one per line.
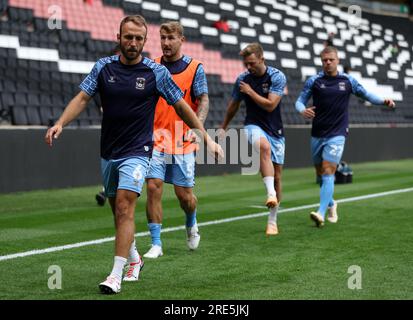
331,91
173,159
262,87
129,86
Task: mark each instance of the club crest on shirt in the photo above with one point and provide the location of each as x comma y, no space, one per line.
265,87
323,86
140,83
112,79
342,86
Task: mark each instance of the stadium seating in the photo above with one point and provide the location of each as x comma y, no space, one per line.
42,67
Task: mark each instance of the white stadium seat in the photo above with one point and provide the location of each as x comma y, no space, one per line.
371,69
302,42
228,39
286,34
189,23
285,46
209,31
244,3
249,32
169,14
242,13
392,75
252,21
226,6
303,54
196,9
270,27
307,72
179,3
289,63
212,16
269,55
261,9
275,16
151,6
266,39
408,82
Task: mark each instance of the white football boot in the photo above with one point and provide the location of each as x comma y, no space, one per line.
317,218
110,286
154,252
193,237
133,270
332,213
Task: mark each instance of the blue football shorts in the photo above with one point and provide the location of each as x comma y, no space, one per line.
125,174
176,169
328,149
253,134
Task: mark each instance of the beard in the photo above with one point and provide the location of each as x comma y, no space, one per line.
168,52
130,54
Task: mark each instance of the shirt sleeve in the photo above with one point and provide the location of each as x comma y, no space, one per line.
278,83
90,83
305,95
165,85
200,84
236,93
361,92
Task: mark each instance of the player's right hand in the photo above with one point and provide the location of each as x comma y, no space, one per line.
390,103
53,133
215,149
221,133
308,113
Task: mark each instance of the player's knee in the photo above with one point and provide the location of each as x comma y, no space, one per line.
265,149
154,187
123,211
328,168
187,200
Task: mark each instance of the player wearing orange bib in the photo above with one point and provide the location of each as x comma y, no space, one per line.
173,159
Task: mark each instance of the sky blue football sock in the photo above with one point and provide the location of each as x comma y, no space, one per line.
326,193
190,219
155,229
331,203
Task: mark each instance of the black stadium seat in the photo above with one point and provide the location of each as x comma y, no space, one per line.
24,80
19,116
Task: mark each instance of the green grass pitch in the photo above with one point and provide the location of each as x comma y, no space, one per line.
235,260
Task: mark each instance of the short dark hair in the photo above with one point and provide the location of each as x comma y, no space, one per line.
252,48
329,49
172,26
136,19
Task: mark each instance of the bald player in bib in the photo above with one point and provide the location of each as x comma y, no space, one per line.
173,159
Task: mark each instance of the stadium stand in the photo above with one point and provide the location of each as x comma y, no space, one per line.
40,68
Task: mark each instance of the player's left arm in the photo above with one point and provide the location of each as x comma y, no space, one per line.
185,112
203,107
173,95
361,92
200,88
276,91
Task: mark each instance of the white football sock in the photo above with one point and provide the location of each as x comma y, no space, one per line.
272,217
118,266
133,253
269,185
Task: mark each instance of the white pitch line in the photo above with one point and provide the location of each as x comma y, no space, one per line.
171,229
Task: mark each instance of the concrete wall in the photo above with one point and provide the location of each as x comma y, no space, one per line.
27,163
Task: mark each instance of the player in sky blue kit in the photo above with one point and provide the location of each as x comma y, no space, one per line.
331,92
129,86
262,87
